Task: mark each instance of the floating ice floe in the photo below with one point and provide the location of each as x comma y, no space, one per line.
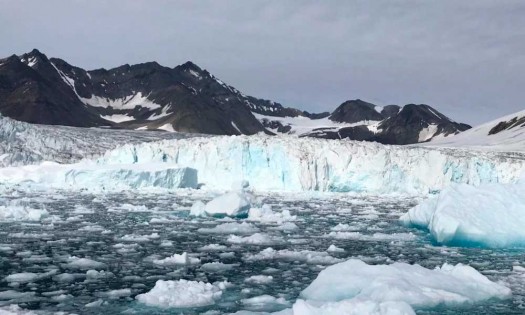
265,214
176,259
235,203
84,264
25,277
15,310
182,293
306,256
490,215
259,279
231,228
217,267
334,249
354,284
15,211
255,239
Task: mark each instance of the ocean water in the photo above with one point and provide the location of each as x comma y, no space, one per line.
127,231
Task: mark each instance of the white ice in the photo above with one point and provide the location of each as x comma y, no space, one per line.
491,215
356,281
182,293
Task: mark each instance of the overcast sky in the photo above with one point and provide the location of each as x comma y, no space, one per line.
466,58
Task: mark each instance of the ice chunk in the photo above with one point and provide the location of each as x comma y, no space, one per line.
261,279
84,264
182,293
233,204
255,239
264,299
491,215
212,248
176,259
354,280
15,310
24,277
217,267
307,256
334,249
231,228
266,215
15,211
198,209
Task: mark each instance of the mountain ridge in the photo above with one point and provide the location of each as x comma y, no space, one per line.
185,98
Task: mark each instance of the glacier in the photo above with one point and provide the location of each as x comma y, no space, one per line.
304,164
490,215
141,159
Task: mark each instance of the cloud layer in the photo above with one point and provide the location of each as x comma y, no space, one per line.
463,57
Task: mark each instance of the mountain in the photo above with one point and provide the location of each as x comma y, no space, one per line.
186,98
503,134
360,120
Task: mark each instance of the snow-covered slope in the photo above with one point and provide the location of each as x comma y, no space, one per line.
504,134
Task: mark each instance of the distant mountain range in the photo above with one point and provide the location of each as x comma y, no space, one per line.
148,96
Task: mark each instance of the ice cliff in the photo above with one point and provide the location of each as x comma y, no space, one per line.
288,164
151,159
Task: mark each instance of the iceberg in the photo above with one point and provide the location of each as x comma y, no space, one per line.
376,288
182,293
491,215
232,204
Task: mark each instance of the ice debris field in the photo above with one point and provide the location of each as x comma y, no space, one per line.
255,225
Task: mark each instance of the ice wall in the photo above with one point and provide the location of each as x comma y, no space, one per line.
299,164
23,144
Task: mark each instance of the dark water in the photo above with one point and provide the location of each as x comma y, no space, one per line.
95,226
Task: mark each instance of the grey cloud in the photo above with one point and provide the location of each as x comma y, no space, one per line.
463,57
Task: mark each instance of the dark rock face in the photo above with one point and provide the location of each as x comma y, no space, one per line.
36,89
398,125
506,125
38,94
355,111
